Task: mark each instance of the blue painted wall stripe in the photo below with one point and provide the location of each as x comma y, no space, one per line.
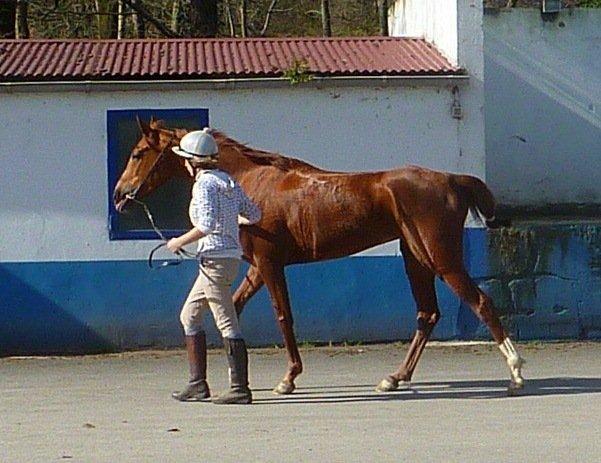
550,288
94,306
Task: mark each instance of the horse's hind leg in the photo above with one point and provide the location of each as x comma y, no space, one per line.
483,307
249,286
422,287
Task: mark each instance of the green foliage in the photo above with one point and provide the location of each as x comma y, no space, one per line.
590,3
298,72
536,3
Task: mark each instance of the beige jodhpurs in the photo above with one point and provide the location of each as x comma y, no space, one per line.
212,291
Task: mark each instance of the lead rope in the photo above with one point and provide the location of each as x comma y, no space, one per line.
181,254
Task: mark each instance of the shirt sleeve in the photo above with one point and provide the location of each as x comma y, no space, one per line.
205,211
249,210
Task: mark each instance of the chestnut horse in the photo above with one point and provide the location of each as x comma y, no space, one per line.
311,214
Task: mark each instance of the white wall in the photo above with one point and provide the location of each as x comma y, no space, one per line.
53,163
455,28
543,106
434,20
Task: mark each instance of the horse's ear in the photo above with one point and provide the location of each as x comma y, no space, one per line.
143,126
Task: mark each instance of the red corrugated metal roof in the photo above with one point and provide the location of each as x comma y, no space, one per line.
67,60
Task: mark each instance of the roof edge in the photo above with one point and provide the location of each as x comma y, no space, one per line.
231,84
379,38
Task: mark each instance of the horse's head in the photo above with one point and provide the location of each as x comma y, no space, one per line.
151,163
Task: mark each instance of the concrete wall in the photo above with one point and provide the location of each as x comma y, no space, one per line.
545,279
543,106
57,181
433,20
455,27
541,92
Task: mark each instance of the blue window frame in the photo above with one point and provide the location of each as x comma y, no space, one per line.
169,203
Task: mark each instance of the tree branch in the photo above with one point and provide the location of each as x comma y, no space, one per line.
243,18
142,11
268,17
230,19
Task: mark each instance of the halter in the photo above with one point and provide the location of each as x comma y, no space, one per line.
132,196
182,253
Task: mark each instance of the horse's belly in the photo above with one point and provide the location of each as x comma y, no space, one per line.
346,245
337,222
335,237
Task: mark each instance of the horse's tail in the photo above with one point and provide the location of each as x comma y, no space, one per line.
480,200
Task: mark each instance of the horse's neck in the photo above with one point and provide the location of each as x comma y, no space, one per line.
237,165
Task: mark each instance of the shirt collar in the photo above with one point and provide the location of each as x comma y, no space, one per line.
200,173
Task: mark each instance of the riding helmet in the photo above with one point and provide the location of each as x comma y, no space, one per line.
199,143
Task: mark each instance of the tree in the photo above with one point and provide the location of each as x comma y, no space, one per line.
143,15
173,18
22,31
8,13
383,16
175,12
139,23
120,19
107,20
325,18
204,18
231,22
243,18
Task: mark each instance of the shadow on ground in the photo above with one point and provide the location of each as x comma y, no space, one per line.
484,389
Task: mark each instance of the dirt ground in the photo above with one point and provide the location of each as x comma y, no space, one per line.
117,408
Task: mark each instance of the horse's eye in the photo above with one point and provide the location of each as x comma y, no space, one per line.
137,154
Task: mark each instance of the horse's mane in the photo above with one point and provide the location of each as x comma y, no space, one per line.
260,157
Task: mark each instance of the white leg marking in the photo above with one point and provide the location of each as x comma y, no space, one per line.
514,361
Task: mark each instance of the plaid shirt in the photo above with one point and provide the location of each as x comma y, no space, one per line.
217,201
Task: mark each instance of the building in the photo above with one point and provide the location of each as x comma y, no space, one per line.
74,275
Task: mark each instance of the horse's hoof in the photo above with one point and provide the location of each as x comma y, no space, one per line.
284,388
514,388
388,384
518,382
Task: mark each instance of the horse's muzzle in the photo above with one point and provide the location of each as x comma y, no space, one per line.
121,198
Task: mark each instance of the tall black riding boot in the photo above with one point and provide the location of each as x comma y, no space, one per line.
197,387
237,358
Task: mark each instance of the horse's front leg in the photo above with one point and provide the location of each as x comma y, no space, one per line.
249,286
275,280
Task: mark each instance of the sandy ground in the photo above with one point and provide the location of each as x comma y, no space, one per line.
117,408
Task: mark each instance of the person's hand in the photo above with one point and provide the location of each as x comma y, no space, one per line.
174,245
243,221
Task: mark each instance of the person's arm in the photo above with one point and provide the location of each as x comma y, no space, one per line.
249,212
202,215
175,244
